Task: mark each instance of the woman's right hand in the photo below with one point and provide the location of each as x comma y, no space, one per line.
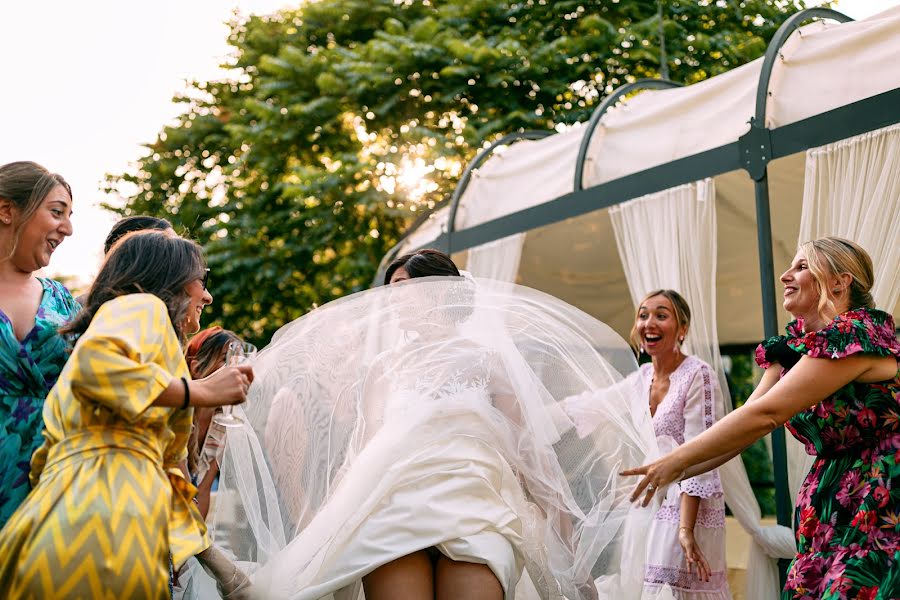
225,387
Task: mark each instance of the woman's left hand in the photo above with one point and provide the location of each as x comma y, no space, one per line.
692,554
657,475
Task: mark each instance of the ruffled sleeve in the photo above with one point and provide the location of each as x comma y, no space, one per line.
860,331
703,406
776,350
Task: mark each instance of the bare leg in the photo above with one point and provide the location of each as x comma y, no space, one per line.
457,580
410,577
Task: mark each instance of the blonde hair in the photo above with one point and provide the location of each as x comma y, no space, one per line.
682,313
830,256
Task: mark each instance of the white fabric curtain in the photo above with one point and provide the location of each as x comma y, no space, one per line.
668,240
852,190
498,260
524,174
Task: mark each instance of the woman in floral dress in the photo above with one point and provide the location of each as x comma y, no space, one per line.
835,376
35,206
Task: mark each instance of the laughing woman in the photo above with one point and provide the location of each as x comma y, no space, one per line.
35,206
686,542
834,380
110,504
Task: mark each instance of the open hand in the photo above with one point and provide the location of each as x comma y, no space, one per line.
657,475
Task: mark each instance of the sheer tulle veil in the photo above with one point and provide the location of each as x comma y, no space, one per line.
387,392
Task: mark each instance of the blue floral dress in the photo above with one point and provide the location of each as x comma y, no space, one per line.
847,521
28,369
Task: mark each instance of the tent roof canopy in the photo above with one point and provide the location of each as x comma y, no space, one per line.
817,84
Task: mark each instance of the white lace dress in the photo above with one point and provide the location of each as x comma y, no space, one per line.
692,404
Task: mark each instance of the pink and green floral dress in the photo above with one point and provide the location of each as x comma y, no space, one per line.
848,510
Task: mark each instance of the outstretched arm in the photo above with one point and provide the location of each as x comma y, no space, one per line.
805,385
769,379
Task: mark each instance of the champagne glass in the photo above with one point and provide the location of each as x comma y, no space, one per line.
238,353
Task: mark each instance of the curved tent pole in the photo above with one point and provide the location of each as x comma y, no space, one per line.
479,159
781,36
609,101
756,153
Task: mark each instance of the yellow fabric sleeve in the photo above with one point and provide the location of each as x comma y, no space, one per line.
116,357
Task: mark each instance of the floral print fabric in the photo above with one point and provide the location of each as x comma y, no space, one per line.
847,521
28,369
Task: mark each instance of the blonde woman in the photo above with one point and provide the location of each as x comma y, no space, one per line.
834,380
686,541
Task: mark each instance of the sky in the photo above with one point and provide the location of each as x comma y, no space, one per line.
84,84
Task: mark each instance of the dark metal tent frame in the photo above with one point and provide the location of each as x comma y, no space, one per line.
752,152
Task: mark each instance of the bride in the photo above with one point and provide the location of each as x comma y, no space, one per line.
405,443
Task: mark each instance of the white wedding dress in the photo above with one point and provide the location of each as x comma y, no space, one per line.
425,416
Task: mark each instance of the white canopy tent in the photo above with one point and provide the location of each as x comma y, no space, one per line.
823,69
535,207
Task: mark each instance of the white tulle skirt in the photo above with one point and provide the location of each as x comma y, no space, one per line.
436,483
426,416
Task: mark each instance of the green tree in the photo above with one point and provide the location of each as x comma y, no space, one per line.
343,119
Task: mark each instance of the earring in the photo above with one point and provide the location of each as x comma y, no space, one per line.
836,290
642,349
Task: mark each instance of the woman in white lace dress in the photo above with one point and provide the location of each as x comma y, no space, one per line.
686,547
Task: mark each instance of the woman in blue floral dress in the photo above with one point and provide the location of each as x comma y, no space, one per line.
35,206
835,379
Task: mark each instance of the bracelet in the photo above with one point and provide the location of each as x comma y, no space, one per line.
187,394
691,529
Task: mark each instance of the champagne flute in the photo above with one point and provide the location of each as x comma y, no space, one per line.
238,353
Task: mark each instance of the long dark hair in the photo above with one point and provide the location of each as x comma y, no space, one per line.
208,349
134,223
149,262
427,262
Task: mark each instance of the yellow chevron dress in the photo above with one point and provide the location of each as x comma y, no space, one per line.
109,502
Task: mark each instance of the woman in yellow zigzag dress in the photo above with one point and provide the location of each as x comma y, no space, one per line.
110,504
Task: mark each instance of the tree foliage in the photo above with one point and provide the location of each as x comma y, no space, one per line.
343,119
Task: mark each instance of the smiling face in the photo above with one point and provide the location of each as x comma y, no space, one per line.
44,231
801,291
656,326
199,298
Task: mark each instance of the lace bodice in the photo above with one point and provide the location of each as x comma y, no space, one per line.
691,406
480,378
